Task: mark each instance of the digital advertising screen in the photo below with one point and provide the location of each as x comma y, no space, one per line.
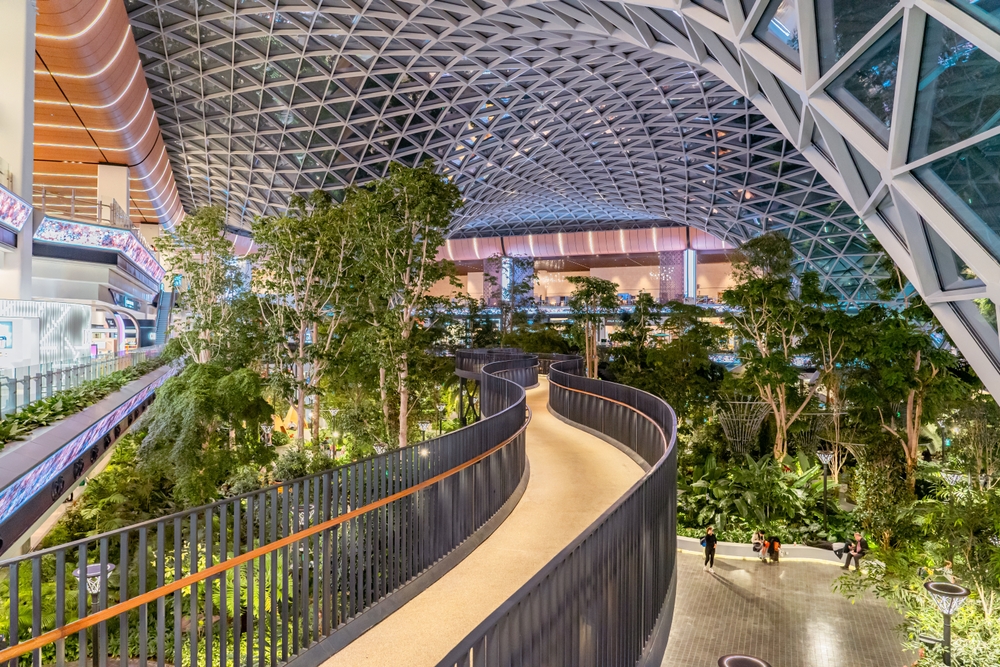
14,211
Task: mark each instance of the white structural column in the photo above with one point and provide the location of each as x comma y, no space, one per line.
17,117
690,273
112,187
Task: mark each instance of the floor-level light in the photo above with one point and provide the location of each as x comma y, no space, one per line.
742,661
948,597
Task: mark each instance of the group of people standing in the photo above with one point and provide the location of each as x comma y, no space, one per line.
768,548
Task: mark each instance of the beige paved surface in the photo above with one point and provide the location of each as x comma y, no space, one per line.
574,478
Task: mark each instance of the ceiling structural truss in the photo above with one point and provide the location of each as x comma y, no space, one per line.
735,116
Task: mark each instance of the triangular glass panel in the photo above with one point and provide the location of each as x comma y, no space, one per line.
887,213
842,23
866,88
714,6
986,11
957,92
869,174
820,143
952,271
779,29
966,183
794,100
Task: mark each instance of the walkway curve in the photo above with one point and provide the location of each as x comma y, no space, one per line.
574,477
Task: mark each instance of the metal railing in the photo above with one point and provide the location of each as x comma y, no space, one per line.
607,598
24,385
470,362
256,579
82,205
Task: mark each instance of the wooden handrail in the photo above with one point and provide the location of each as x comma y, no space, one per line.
91,620
663,435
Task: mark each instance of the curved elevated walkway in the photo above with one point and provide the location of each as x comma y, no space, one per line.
574,477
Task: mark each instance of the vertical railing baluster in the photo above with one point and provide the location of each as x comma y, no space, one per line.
36,607
223,586
122,597
142,561
161,602
60,605
209,588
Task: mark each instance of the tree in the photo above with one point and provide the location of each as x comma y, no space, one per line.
303,278
512,294
207,276
592,302
403,219
769,313
976,439
906,379
635,337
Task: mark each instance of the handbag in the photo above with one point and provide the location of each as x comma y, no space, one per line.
703,541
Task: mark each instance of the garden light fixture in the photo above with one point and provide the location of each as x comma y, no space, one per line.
94,574
742,661
825,456
952,477
424,427
948,597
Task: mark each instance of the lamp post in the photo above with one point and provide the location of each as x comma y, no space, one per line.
333,415
424,426
266,430
441,408
93,576
948,597
825,456
742,661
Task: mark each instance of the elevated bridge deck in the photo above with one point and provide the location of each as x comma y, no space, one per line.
574,478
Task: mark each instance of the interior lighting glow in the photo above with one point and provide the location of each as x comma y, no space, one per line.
83,32
69,75
66,232
110,104
14,211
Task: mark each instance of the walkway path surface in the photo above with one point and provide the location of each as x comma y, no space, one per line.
786,614
574,478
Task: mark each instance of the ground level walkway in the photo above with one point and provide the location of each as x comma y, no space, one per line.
786,614
574,478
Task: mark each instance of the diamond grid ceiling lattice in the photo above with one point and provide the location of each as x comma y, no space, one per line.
543,130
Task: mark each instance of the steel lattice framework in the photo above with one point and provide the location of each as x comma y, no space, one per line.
589,114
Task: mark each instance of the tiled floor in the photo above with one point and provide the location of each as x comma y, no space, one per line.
786,614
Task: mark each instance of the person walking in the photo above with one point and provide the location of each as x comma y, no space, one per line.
709,541
758,541
856,550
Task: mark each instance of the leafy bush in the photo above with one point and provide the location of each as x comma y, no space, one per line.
764,494
292,464
244,480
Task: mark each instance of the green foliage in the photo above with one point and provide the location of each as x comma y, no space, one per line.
783,500
197,252
64,403
292,464
592,302
204,424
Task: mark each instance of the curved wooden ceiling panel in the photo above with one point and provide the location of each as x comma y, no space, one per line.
92,105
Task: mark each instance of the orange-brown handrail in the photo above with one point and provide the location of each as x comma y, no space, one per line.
91,620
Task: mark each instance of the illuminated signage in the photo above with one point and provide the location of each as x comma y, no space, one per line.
14,211
124,242
22,490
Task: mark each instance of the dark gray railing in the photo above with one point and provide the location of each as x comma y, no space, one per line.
607,598
469,363
256,579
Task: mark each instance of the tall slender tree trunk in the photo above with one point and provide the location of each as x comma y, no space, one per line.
315,420
300,378
384,397
404,402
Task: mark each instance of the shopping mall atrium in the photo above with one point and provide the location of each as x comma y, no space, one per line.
496,333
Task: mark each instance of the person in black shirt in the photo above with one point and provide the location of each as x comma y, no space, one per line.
709,541
856,550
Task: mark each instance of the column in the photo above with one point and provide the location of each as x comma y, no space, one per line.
17,132
671,275
690,274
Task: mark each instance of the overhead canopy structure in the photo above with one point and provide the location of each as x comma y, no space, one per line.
831,120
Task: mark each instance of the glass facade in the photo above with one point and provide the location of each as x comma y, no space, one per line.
967,182
866,88
779,29
840,24
958,93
